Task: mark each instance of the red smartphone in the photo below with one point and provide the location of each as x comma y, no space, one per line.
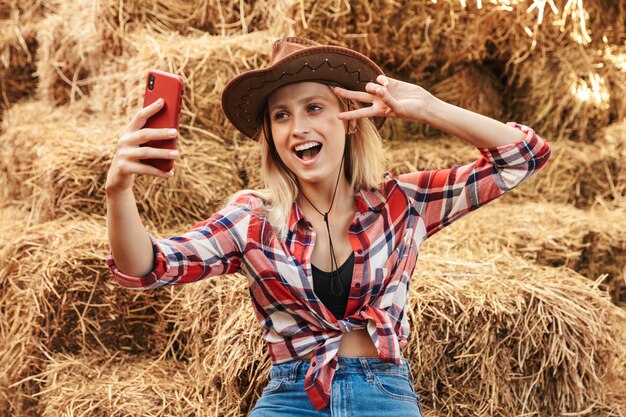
169,87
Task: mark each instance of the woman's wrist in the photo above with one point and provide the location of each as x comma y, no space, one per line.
433,112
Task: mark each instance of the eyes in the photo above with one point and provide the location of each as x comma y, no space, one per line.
282,114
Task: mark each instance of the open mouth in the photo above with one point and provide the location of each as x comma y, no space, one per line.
309,152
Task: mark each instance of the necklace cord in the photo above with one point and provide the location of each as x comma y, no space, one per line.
335,278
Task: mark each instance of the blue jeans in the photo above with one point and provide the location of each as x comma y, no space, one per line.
361,387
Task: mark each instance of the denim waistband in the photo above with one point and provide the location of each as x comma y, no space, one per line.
292,369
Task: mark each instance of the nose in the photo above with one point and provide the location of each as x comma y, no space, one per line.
300,128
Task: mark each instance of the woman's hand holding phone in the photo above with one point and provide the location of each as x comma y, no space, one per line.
148,143
126,162
147,146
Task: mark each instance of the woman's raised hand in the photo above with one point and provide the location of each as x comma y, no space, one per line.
389,98
126,162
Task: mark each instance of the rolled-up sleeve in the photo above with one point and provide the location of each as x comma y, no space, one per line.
442,196
212,247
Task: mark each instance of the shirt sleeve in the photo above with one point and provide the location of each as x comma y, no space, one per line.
212,247
442,196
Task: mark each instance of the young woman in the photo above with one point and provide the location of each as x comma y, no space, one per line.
329,246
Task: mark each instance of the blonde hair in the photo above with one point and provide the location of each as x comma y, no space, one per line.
363,167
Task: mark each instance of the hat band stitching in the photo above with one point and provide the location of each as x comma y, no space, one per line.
242,106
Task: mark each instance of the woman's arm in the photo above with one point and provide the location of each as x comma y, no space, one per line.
128,239
137,260
510,153
473,128
394,98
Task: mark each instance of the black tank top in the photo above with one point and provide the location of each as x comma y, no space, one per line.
337,304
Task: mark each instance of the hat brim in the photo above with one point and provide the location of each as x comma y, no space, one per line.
245,95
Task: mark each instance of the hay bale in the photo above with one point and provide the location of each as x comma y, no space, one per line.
548,332
17,66
614,57
500,336
225,346
248,160
67,175
604,254
18,26
564,95
123,385
56,295
419,36
473,87
591,242
11,218
81,43
225,18
205,62
580,174
73,45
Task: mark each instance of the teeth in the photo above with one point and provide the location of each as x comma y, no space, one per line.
305,146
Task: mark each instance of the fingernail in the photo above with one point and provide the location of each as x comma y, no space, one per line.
171,132
159,101
170,173
173,153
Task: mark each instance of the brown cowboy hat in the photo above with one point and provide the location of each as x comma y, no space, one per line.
294,60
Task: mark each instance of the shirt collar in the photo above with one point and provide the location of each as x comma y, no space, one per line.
366,201
369,201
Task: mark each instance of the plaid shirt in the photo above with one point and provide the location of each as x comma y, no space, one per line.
386,234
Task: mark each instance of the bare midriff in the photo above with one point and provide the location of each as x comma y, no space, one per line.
356,343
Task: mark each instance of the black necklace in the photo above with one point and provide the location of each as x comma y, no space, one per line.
335,279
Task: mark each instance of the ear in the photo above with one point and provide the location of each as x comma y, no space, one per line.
352,126
348,123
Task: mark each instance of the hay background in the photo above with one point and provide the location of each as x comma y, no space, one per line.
529,291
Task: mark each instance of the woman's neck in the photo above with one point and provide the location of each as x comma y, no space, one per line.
320,196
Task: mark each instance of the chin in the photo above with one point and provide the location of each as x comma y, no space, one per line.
311,178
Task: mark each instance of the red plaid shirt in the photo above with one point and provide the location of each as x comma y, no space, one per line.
386,234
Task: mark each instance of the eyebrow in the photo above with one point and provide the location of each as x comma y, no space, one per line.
301,101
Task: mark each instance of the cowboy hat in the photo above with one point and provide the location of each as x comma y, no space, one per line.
294,60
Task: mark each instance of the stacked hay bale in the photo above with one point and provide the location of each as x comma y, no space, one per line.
57,297
98,385
510,307
215,17
539,53
18,24
590,242
205,63
501,337
59,159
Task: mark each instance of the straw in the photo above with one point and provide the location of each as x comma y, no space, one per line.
58,296
58,161
121,385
